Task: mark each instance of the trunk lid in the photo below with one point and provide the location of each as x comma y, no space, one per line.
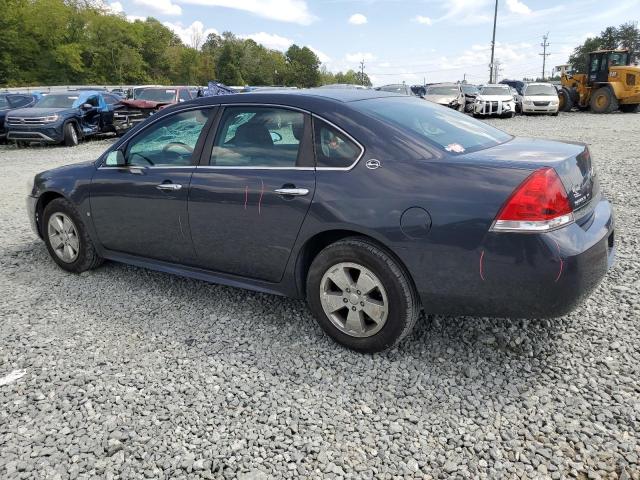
571,161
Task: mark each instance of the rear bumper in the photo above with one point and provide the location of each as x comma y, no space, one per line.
530,275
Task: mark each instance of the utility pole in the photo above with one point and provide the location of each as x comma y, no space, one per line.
362,72
544,53
493,44
496,69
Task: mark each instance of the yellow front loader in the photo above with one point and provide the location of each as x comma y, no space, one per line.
611,83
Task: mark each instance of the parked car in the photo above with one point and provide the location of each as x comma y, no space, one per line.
518,85
447,94
148,101
372,206
470,94
12,101
495,99
401,88
61,118
540,98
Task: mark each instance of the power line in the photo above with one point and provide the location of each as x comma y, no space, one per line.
544,53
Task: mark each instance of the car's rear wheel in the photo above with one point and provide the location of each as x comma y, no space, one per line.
67,238
361,296
70,135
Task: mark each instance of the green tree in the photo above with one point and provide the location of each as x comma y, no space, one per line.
626,35
303,67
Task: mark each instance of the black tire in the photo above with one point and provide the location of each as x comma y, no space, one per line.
554,114
87,257
565,100
629,108
70,135
403,301
603,100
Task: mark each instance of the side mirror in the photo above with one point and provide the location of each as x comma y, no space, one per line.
86,106
275,137
115,158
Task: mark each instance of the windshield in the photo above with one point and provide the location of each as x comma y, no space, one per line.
57,101
470,89
157,95
451,90
541,90
448,130
495,91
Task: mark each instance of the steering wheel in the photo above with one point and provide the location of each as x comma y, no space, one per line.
177,144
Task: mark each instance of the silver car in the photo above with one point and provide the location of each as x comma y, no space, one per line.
447,94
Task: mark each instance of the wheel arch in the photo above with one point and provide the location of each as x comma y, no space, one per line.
44,199
316,243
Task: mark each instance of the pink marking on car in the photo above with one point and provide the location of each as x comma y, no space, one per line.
561,261
260,200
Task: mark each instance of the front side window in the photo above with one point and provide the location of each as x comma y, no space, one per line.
333,148
183,95
168,143
258,137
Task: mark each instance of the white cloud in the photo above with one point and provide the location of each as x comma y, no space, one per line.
357,19
518,7
359,56
163,7
269,40
423,20
193,35
115,7
293,11
323,57
466,12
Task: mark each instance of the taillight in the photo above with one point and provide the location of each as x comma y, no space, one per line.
539,204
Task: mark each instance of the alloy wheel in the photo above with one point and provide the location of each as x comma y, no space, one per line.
354,299
63,237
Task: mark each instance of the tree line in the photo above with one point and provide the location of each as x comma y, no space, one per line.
626,35
62,42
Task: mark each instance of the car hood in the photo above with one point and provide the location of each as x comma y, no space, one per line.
445,99
144,103
494,98
541,98
40,112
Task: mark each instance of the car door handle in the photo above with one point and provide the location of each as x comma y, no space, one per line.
169,186
295,192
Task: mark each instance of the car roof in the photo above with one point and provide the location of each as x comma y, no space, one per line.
343,95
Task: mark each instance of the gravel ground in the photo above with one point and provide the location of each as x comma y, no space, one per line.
128,373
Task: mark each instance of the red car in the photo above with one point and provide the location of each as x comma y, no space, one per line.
147,102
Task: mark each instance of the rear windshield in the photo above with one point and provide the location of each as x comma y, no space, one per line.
442,90
157,95
495,91
448,130
57,101
541,90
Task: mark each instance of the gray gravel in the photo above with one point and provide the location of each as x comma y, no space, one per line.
128,373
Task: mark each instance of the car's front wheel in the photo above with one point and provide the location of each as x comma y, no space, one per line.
70,135
361,296
67,238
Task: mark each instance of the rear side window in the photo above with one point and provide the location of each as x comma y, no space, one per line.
258,137
183,95
451,131
333,148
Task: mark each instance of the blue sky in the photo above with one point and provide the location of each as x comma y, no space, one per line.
408,40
